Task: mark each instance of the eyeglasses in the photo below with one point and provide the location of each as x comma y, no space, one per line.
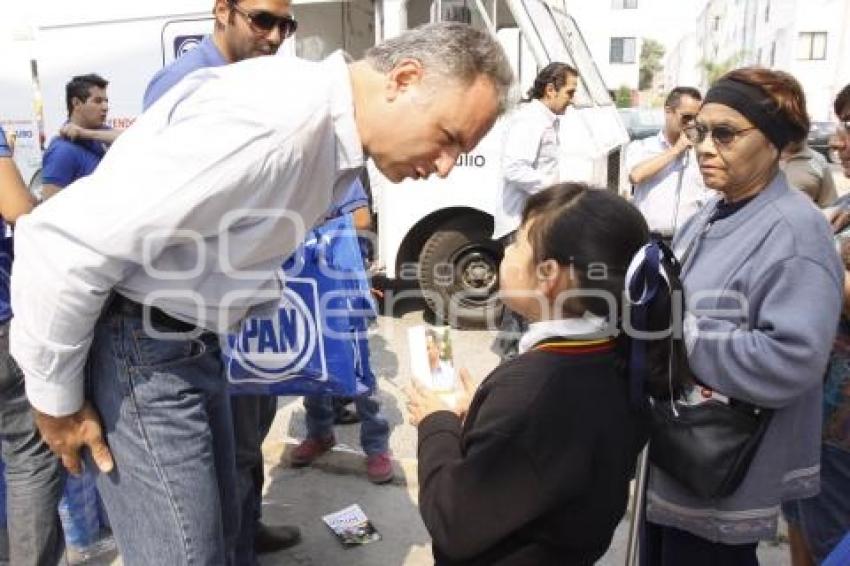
720,135
686,119
264,22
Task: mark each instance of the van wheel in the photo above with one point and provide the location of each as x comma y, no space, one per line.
459,273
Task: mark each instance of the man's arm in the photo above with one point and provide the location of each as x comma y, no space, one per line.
15,199
649,168
74,132
519,155
49,190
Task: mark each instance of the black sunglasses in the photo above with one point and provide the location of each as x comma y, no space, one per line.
264,22
720,135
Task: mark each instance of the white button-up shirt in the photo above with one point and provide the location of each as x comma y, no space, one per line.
656,197
192,210
529,160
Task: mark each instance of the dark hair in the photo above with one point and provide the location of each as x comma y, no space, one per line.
79,87
784,90
674,98
598,233
842,101
554,74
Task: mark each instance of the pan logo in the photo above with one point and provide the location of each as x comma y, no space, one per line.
280,345
185,43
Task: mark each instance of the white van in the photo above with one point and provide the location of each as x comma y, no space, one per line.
436,232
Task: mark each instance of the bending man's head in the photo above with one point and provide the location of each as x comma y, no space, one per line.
428,95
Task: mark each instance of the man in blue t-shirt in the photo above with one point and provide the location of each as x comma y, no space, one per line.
243,29
85,137
32,534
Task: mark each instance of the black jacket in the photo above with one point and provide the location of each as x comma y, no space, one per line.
539,472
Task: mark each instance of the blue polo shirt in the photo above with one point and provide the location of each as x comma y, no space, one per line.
206,54
354,198
5,248
65,161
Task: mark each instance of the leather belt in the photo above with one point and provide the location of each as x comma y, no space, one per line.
158,317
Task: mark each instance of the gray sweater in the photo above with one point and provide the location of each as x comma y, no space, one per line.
775,264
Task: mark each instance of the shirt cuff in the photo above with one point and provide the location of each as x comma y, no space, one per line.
54,399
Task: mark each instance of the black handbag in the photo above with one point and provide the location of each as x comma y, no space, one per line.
706,447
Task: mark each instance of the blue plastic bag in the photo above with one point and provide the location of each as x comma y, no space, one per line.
315,340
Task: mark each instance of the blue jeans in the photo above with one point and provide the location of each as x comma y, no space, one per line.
252,419
171,498
34,476
374,429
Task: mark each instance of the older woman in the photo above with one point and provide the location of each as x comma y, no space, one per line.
764,289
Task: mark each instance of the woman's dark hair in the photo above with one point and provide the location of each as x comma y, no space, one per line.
784,90
554,74
598,234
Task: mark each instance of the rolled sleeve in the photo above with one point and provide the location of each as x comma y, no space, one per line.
5,150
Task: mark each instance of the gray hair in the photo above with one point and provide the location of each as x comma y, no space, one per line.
453,50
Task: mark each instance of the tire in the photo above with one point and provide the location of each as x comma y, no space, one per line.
459,273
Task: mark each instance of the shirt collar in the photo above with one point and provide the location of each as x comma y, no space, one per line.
587,325
211,54
349,147
550,116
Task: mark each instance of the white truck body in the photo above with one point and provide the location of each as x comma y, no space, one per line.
127,43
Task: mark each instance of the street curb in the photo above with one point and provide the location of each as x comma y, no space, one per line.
342,460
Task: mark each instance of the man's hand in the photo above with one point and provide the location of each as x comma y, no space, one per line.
66,435
683,144
71,131
838,217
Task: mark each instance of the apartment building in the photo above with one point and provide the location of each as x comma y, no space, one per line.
807,38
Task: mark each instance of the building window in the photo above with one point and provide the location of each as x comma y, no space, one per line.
767,11
716,23
624,4
811,45
622,49
773,54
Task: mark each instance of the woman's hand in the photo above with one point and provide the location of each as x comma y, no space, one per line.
422,401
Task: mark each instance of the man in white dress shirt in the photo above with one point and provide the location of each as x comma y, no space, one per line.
668,187
125,282
530,164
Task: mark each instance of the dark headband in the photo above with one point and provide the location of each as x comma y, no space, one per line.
755,105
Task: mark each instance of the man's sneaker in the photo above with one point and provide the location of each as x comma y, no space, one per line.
379,468
270,538
310,449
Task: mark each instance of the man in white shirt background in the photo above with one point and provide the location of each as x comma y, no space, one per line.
182,229
668,187
530,164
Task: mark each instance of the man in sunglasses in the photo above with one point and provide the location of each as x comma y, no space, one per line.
667,185
243,29
124,285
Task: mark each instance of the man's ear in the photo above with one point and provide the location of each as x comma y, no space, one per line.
76,103
221,11
407,73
